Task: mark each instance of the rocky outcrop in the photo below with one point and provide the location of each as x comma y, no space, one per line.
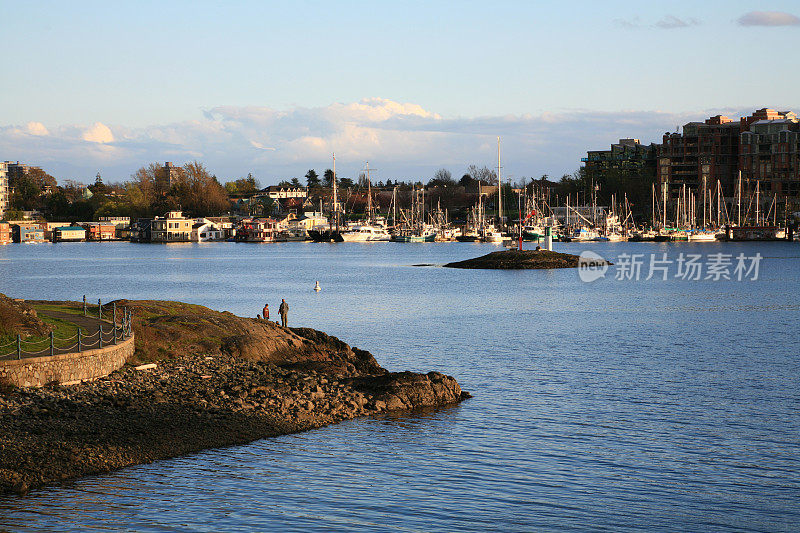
19,318
167,330
524,259
408,390
218,380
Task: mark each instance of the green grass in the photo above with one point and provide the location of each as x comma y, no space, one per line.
62,329
73,309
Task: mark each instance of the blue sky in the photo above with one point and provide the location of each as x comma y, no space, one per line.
273,88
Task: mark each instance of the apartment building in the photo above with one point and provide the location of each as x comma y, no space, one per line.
769,155
4,195
628,156
702,154
763,146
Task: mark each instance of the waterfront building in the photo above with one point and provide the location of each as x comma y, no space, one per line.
141,230
4,195
117,221
258,230
69,234
99,231
763,146
27,232
204,230
172,228
5,233
49,229
309,220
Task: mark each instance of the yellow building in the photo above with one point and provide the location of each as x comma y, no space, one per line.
172,228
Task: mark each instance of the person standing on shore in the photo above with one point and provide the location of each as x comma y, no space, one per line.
284,311
265,312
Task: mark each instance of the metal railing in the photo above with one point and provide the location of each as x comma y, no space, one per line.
117,331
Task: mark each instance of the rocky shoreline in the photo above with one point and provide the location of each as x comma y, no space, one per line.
212,396
182,406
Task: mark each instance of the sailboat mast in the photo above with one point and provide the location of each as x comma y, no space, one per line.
499,190
704,201
335,196
758,219
739,200
653,199
369,196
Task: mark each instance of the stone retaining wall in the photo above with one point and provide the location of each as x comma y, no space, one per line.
66,368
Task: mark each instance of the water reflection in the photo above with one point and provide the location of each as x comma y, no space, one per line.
613,405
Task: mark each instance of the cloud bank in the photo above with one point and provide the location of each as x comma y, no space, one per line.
402,140
768,18
667,22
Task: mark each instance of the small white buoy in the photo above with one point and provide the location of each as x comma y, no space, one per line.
317,288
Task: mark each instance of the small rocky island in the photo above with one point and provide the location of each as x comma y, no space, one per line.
217,380
525,259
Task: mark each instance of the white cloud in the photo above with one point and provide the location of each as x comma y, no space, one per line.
403,140
98,133
36,128
768,18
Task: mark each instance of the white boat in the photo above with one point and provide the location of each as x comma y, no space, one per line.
365,233
702,236
611,237
491,234
583,234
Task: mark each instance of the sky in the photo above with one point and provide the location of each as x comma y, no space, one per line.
275,88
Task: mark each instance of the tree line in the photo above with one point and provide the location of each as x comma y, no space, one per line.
196,191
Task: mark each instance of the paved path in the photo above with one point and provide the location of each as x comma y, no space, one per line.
89,328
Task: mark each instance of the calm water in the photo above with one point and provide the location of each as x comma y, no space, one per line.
613,405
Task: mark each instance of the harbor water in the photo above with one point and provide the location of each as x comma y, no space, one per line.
618,404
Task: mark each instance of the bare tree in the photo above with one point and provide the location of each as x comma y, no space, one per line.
483,174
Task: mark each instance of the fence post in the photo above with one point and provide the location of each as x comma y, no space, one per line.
52,345
115,314
99,309
84,305
19,347
100,335
80,349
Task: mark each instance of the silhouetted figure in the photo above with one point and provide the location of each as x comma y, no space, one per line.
283,310
265,312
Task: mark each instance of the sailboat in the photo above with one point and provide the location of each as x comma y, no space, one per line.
367,231
332,233
491,233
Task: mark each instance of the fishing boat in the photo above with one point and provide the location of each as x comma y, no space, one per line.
532,233
423,235
492,235
468,236
610,237
581,234
642,236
